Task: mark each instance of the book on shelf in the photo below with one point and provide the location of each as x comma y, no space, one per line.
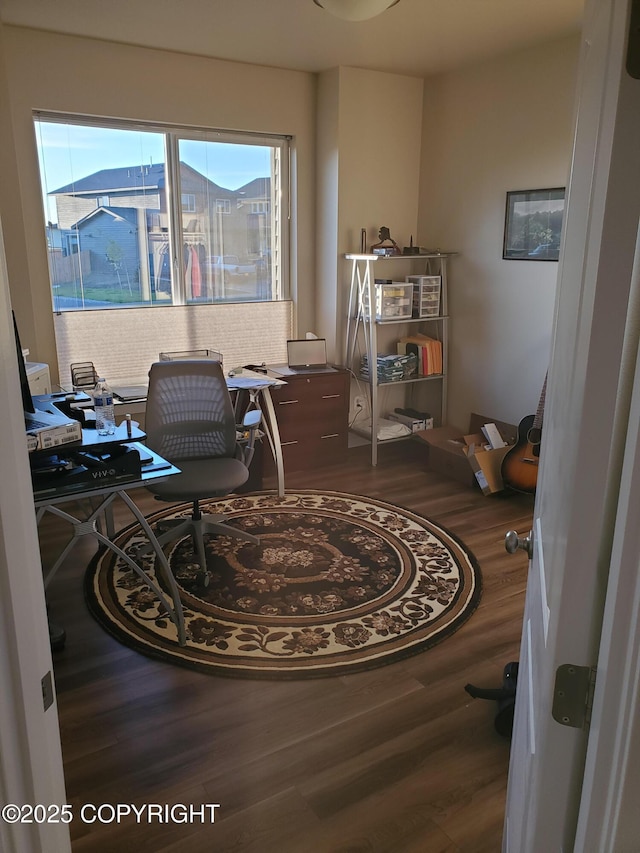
428,352
390,368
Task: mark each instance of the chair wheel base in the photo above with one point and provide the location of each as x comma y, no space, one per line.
57,637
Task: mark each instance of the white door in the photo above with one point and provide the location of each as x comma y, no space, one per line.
31,770
583,438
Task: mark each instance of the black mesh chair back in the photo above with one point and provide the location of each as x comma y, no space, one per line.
189,411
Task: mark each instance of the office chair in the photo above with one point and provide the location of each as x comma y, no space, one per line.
190,421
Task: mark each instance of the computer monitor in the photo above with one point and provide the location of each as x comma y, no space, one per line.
27,399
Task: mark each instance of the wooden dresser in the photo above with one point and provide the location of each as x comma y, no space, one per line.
313,418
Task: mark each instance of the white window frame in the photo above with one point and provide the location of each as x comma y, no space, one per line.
280,227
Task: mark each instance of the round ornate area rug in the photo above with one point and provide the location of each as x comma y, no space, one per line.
339,583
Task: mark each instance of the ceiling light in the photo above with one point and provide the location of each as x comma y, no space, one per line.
355,10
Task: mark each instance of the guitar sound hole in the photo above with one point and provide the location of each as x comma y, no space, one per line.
534,435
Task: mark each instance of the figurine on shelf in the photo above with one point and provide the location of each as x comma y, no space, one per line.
386,246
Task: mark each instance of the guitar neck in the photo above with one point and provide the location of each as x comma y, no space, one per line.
537,420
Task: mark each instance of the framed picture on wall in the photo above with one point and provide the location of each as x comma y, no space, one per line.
533,225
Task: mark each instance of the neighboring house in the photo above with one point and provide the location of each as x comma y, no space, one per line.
117,221
110,236
254,205
127,186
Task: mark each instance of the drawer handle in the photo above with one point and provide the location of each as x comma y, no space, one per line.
286,402
330,396
330,435
287,443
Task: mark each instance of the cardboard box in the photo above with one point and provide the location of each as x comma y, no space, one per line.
49,437
70,434
464,457
447,455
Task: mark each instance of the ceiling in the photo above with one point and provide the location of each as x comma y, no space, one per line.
416,37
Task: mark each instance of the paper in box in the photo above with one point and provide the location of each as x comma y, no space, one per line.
509,432
492,434
486,464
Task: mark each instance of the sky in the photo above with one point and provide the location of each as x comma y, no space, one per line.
68,152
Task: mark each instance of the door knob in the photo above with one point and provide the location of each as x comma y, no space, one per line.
513,543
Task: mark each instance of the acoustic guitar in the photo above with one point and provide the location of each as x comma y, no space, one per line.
520,465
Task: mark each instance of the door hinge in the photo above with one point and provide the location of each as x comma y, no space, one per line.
47,690
573,695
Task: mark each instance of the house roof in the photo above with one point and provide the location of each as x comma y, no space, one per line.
126,179
120,214
257,188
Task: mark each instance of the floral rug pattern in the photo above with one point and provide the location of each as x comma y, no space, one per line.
339,583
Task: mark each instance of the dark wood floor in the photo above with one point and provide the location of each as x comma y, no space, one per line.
398,759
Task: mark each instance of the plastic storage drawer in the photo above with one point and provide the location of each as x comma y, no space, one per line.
426,295
393,300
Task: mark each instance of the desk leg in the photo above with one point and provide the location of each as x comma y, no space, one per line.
177,616
88,527
273,435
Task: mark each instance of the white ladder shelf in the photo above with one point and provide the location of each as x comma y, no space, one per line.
361,317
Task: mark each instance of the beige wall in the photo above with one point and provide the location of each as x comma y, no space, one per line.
369,129
379,133
369,150
504,125
11,209
327,203
91,77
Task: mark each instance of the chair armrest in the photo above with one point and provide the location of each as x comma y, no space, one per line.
252,419
246,432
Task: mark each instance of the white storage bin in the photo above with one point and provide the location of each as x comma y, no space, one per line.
426,295
192,355
393,300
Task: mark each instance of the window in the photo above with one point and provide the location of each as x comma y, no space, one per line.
188,203
140,215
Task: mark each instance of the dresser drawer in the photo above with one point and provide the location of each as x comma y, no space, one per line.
296,419
314,452
312,405
308,388
312,412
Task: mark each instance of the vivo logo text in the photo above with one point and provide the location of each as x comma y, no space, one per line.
100,475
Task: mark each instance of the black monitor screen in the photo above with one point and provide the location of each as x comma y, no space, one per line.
27,400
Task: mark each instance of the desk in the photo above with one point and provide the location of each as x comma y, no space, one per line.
90,526
258,386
